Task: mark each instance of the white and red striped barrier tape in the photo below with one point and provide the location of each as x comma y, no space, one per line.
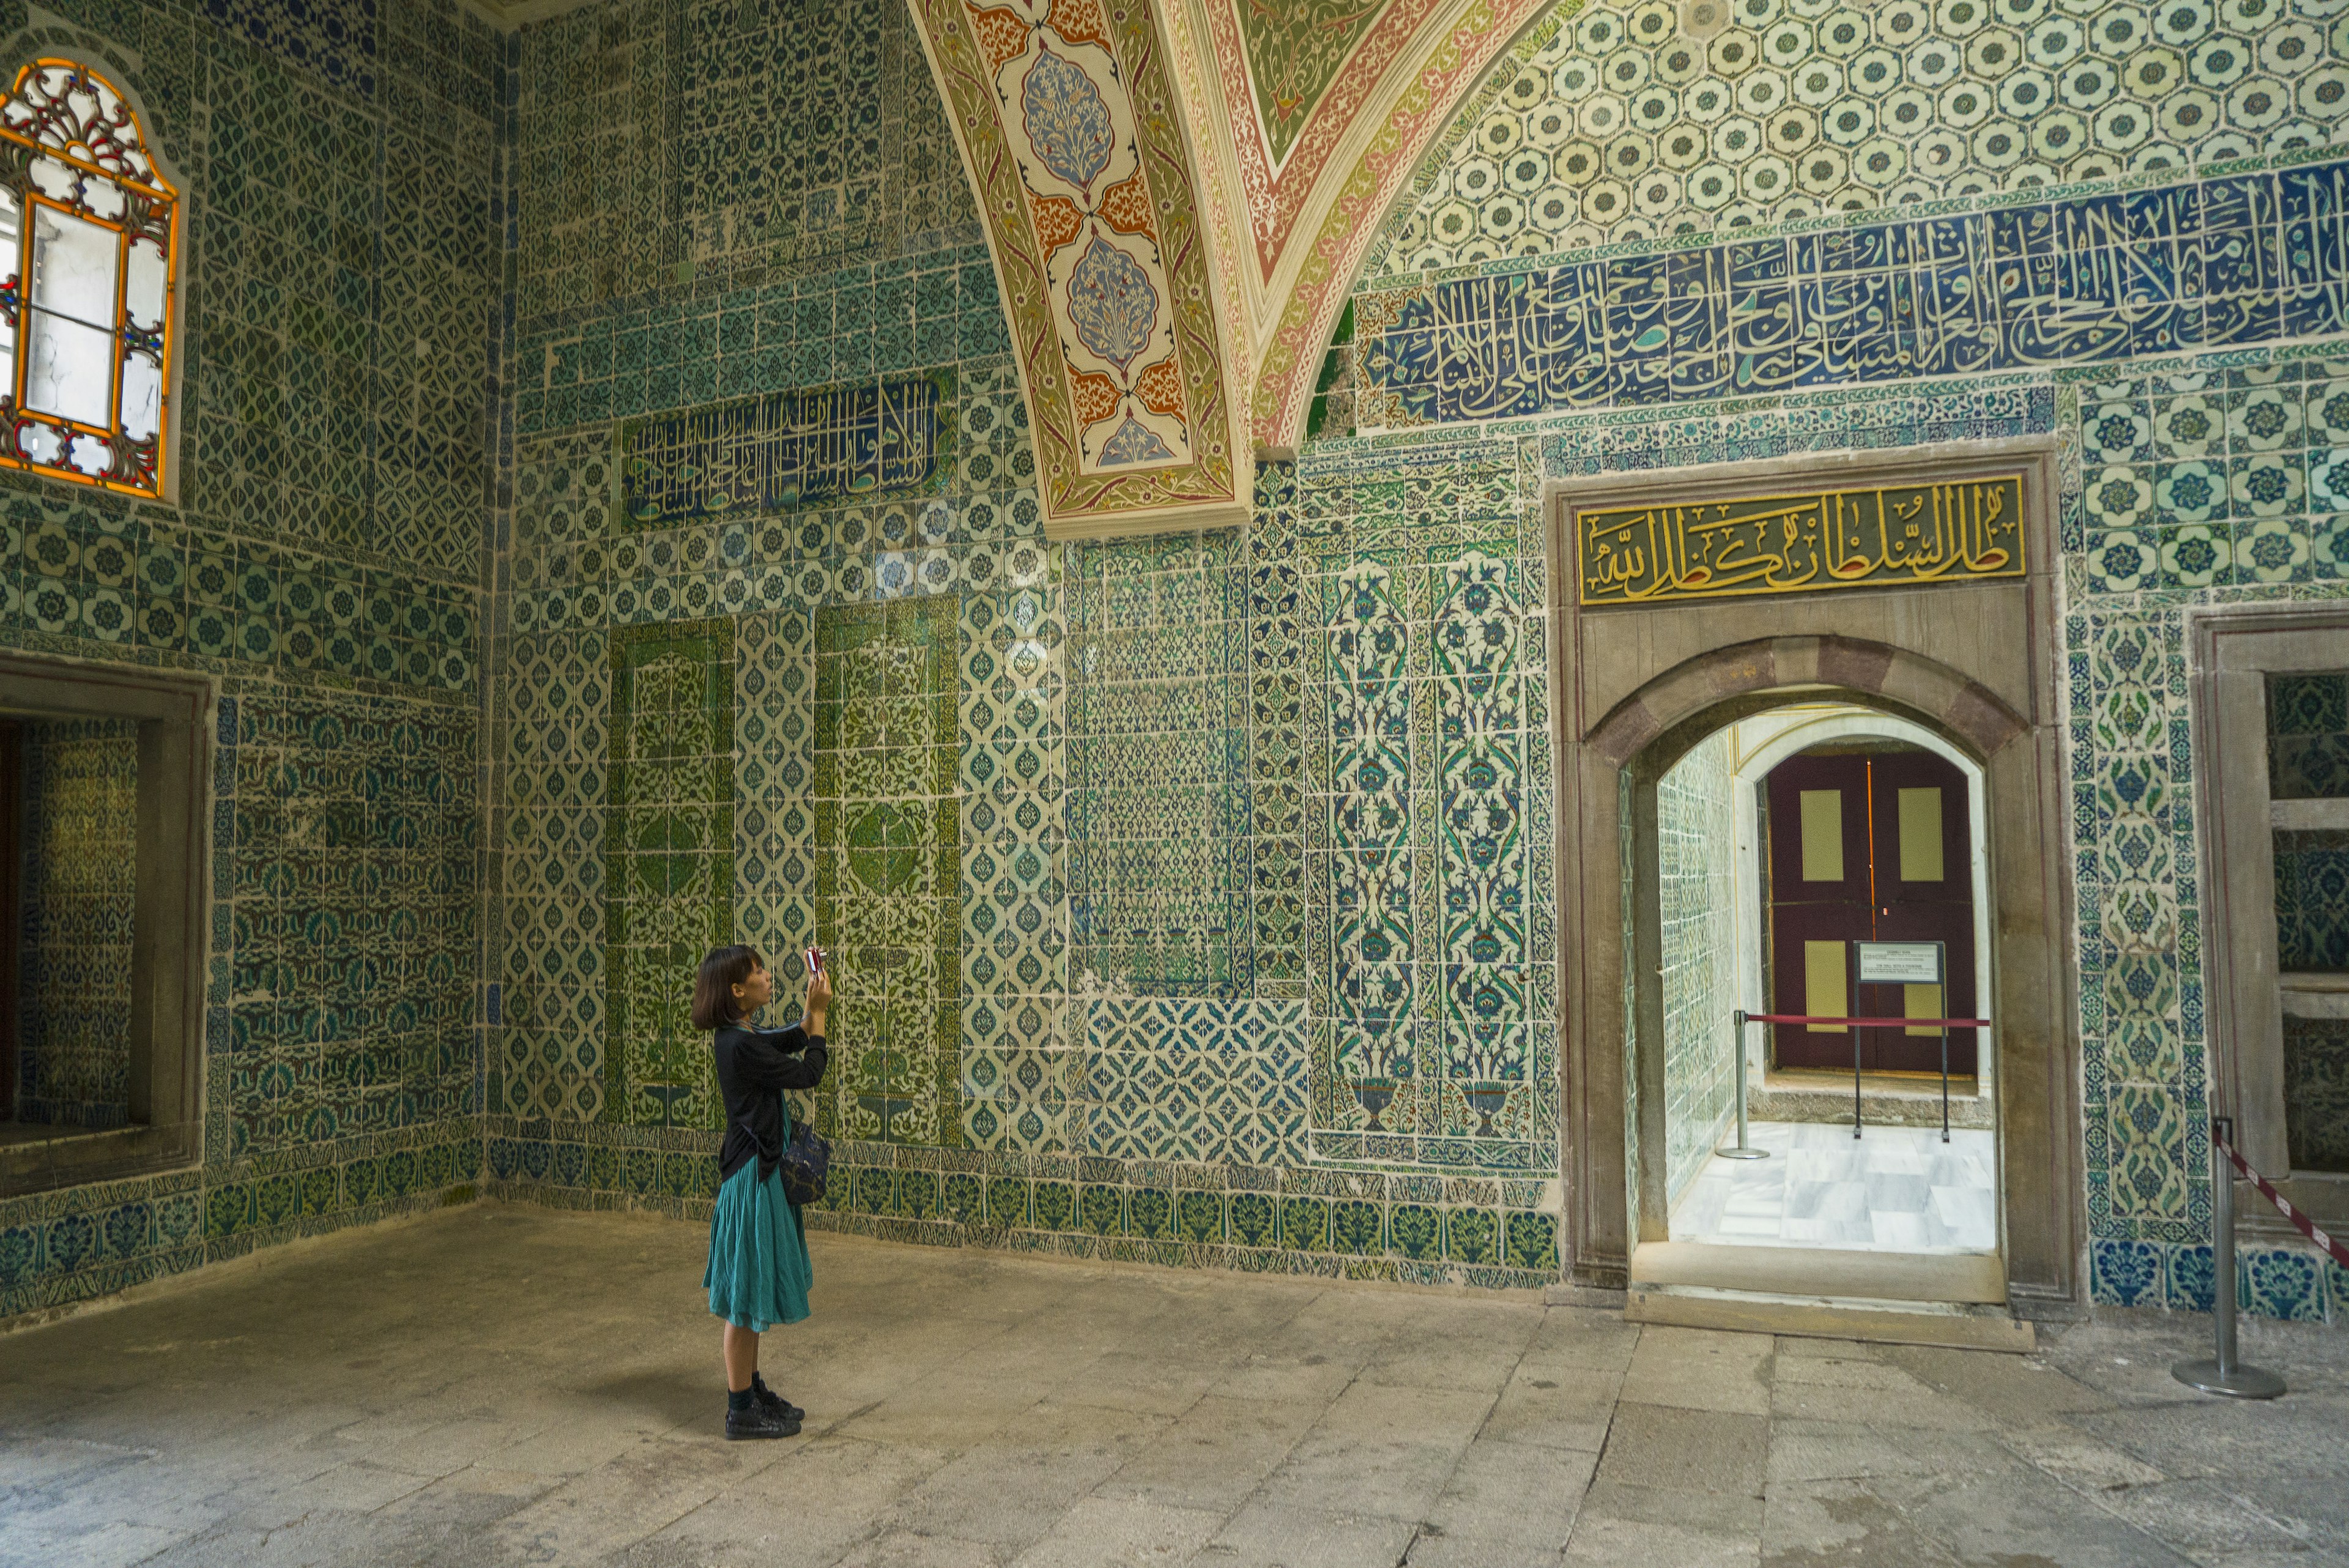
2307,1227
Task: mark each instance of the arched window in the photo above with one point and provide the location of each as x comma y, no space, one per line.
89,234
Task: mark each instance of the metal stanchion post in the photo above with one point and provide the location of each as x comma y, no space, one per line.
1855,1072
1856,1031
1742,1151
2224,1374
1945,1078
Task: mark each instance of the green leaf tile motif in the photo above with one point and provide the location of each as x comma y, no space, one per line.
669,859
887,852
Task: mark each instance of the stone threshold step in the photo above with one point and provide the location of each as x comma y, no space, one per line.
1835,1273
1949,1325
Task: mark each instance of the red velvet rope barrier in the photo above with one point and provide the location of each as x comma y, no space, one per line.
1872,1022
2267,1189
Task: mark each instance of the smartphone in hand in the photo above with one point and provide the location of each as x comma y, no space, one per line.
814,961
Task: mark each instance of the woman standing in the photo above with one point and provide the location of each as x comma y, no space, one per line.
758,1274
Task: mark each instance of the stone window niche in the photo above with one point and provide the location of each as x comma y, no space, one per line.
2270,715
105,811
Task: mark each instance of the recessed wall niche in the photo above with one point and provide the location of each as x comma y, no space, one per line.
105,803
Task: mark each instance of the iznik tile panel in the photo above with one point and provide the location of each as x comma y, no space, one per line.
1618,121
722,146
77,889
1158,813
888,879
1695,830
669,864
1018,1056
2312,887
336,38
550,967
1190,1078
1430,1048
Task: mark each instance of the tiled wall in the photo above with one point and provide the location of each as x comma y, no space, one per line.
76,885
2166,314
1317,1031
1696,872
321,560
1050,808
1613,122
1352,1068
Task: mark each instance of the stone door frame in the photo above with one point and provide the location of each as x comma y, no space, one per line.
1635,687
2232,649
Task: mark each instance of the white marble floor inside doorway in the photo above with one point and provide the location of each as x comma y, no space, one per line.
1894,1190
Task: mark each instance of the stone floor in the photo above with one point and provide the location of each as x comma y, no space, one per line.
1892,1189
496,1386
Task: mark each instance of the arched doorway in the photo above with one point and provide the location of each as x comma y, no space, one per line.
1972,666
1783,839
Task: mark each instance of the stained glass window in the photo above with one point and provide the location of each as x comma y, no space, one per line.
89,234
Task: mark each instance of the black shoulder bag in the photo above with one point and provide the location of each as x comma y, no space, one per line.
805,1162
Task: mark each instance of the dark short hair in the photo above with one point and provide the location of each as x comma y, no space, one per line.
713,987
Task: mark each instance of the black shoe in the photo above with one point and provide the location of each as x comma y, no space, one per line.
758,1422
773,1402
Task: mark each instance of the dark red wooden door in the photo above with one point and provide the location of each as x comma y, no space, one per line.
1868,846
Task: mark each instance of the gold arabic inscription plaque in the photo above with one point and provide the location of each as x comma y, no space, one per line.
1883,535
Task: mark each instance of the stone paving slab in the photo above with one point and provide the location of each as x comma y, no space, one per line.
501,1386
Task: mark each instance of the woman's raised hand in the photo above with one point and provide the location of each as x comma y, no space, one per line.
818,992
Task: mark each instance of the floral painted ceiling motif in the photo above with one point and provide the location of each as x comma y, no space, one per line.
1295,48
1177,195
1294,206
1280,152
1065,114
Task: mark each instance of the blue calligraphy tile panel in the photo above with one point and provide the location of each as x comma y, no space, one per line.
787,450
2200,265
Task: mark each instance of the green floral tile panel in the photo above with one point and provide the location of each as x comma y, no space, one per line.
888,866
1433,1044
669,858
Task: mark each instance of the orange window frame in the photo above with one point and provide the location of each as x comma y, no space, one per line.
149,479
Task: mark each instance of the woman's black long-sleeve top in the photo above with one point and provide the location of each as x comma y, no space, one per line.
752,1064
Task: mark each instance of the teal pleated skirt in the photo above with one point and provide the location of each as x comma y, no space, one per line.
759,1274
